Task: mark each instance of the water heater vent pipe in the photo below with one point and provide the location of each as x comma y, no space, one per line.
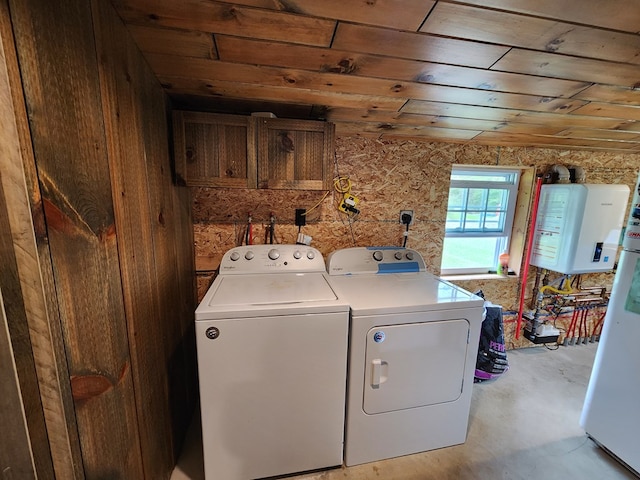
563,173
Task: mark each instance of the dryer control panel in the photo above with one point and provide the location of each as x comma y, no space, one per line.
376,260
250,259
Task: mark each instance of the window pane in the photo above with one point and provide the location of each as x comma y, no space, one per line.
454,220
457,198
477,199
471,253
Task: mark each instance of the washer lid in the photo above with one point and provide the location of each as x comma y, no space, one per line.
267,290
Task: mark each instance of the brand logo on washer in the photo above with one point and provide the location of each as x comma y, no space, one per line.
212,333
378,337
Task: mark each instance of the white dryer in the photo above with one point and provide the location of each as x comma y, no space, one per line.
271,339
412,353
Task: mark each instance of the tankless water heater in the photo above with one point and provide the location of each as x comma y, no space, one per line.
578,227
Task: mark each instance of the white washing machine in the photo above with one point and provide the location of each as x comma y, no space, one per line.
271,337
412,353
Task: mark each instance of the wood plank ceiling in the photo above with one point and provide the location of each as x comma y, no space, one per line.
499,72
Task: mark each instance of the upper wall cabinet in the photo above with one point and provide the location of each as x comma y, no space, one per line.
214,150
294,154
217,150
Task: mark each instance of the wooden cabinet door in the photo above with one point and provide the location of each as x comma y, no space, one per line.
213,150
294,154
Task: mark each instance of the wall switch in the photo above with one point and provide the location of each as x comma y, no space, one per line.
403,215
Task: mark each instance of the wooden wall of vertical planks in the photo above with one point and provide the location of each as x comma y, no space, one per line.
118,233
137,142
33,323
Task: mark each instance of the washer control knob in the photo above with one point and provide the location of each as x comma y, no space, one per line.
297,255
311,255
398,255
274,254
377,256
234,256
249,255
409,255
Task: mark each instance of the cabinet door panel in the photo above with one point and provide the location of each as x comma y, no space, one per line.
215,150
294,154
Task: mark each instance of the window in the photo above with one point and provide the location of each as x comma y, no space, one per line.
479,218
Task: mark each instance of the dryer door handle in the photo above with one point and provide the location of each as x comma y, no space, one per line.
379,372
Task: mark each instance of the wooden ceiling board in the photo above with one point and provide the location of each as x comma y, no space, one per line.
417,46
208,16
610,94
621,15
357,115
399,14
235,90
552,140
506,115
277,54
166,65
609,110
173,42
344,128
504,28
600,134
525,71
572,68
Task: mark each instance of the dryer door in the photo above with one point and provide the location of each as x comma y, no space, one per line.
414,365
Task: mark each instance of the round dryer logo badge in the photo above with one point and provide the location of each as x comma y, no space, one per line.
379,336
212,333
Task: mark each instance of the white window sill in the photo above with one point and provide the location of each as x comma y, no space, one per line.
478,276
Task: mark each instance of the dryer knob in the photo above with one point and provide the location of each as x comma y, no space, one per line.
297,255
409,255
234,256
377,256
398,255
249,255
311,255
274,254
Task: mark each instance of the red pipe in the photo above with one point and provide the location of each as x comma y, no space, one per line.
527,256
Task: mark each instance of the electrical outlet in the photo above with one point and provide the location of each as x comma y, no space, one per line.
406,212
301,217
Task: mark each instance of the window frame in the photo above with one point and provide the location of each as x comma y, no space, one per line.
504,235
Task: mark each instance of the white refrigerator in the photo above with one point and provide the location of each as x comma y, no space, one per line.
611,411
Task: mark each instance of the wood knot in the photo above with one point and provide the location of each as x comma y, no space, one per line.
285,142
86,387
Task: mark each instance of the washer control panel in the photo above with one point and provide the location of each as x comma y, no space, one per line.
272,259
352,261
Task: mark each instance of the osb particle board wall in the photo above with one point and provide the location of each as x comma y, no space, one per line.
388,176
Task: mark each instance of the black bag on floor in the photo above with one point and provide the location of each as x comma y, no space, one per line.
492,355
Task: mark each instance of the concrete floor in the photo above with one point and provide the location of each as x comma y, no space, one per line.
522,426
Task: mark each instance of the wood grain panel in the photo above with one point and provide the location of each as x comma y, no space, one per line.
243,50
15,448
629,112
543,140
615,14
609,94
123,105
600,134
240,91
400,14
75,184
173,42
365,39
333,82
59,444
208,16
413,131
506,115
377,116
572,68
528,32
